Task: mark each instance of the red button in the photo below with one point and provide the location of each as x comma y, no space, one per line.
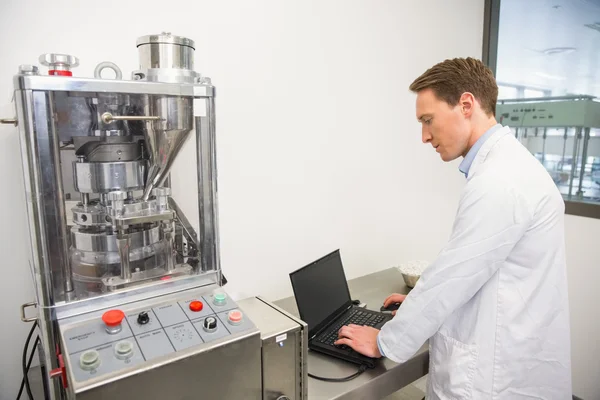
59,72
196,306
113,317
235,316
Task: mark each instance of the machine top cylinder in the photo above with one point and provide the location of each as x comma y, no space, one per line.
166,51
166,38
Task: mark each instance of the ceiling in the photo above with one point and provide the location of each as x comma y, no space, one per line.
551,45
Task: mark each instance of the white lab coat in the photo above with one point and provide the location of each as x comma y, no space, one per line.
494,303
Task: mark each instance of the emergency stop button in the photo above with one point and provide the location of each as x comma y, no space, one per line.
112,319
196,306
235,317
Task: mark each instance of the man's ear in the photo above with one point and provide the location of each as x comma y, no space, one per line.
467,104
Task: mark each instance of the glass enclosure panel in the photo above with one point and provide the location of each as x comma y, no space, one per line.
122,226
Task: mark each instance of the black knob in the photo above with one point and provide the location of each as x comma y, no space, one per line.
143,318
210,324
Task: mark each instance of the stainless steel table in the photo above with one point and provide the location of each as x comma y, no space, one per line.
387,377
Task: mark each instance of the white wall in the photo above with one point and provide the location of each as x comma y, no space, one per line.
318,147
583,263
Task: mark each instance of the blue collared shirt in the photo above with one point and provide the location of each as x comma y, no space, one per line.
465,165
379,346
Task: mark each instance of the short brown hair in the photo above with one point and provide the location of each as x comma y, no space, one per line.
451,78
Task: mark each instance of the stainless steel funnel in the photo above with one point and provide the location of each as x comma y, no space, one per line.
164,138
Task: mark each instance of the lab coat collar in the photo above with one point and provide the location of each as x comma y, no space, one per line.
466,163
486,148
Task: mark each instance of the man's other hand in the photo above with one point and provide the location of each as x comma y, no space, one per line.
393,299
362,339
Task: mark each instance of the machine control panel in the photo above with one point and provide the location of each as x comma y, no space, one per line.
551,114
122,338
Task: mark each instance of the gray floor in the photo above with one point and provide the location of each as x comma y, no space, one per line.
416,391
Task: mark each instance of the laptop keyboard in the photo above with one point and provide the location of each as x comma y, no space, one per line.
358,317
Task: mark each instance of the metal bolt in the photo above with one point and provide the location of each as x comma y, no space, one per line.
27,69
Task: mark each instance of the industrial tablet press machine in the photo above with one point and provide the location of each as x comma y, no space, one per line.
130,298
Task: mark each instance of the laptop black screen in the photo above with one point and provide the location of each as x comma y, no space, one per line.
320,289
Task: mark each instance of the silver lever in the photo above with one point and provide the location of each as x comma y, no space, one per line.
108,118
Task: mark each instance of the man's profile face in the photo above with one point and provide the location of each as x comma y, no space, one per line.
443,126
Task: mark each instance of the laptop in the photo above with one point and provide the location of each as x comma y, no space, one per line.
324,303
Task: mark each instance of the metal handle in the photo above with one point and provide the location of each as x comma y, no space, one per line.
23,307
107,64
12,121
108,117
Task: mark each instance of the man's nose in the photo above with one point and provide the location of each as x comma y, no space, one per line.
425,135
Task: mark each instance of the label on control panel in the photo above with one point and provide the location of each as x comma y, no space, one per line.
155,344
92,335
183,336
170,314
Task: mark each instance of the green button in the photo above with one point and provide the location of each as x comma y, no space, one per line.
220,298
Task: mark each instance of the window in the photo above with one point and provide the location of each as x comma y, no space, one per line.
548,86
507,92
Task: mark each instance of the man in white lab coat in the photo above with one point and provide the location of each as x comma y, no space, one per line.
494,303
